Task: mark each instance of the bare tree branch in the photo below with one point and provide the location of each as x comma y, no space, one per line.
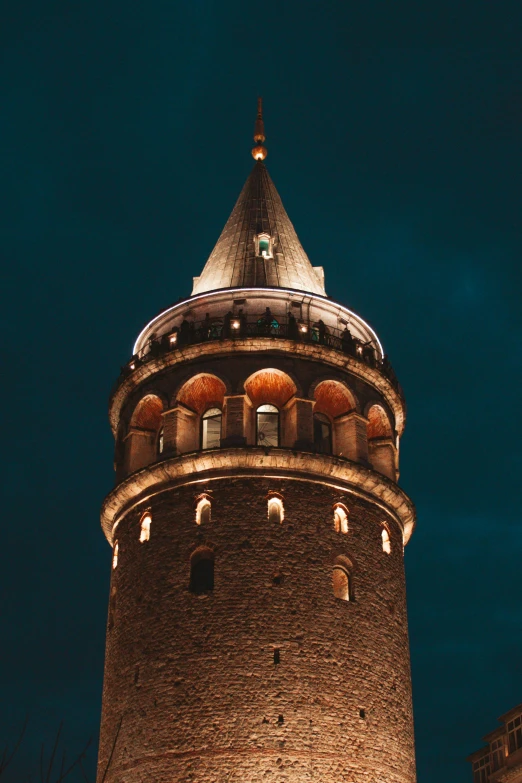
84,774
53,754
8,757
112,750
46,770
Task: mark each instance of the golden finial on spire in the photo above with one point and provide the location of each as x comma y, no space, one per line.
259,152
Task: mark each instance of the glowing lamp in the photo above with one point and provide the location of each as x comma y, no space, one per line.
259,152
235,324
173,339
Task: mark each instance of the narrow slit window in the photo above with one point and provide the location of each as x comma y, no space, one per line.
342,579
145,527
161,441
277,656
211,429
267,425
341,583
203,509
276,512
202,571
115,556
386,542
340,519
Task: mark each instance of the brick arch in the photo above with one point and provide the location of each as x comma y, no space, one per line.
202,391
145,423
381,447
378,423
147,413
333,398
270,386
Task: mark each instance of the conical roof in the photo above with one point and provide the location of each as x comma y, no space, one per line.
238,261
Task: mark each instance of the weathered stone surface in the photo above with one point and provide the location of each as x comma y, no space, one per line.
193,677
209,466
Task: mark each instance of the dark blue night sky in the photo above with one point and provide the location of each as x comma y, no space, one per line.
394,134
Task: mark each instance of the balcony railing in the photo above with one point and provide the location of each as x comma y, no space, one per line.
266,325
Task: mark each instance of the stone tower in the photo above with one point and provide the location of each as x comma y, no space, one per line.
257,627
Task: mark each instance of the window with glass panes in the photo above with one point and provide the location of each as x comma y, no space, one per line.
481,770
498,755
514,728
211,429
267,425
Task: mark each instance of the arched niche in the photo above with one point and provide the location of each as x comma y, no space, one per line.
141,440
342,578
336,401
271,387
201,571
382,452
184,422
202,391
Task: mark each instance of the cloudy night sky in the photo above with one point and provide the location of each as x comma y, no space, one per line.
394,133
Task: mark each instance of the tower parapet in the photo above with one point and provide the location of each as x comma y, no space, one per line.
257,620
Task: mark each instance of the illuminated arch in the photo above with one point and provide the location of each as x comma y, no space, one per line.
141,441
270,386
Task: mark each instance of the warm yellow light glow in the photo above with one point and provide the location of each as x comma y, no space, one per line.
145,527
203,511
386,543
132,366
276,512
259,153
340,519
115,555
303,328
173,339
235,324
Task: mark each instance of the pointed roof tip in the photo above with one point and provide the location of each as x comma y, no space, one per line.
240,260
259,152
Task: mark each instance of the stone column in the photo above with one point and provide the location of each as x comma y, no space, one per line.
351,439
297,431
383,456
235,415
139,449
180,433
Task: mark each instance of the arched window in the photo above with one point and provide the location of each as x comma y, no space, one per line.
267,425
322,434
211,429
342,579
276,512
340,518
202,571
145,527
161,441
203,508
115,555
386,542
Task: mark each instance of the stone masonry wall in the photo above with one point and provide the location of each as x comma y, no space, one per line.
192,678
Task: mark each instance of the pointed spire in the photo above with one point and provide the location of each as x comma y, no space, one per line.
258,247
259,152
